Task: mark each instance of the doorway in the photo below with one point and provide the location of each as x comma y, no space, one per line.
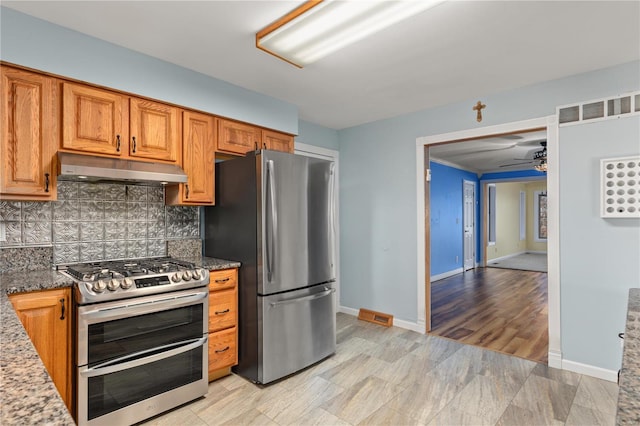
423,223
469,225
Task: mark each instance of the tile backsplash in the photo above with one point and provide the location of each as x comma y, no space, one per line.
96,221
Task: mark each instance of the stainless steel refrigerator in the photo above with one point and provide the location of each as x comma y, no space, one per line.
275,213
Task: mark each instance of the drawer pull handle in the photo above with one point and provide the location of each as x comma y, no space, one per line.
118,143
219,351
223,280
46,182
62,313
134,144
222,312
186,187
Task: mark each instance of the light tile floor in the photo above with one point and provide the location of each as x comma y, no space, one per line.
391,376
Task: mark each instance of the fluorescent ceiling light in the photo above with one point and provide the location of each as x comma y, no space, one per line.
320,27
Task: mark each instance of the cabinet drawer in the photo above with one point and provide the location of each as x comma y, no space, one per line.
225,278
223,349
222,309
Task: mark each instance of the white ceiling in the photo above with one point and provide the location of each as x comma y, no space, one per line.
459,50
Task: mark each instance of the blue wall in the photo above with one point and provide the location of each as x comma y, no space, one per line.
34,43
314,134
512,175
446,211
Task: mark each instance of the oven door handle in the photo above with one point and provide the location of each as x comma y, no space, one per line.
117,364
117,312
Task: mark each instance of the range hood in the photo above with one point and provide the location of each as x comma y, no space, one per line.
90,168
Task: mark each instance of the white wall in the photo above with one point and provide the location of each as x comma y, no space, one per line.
599,258
41,45
378,188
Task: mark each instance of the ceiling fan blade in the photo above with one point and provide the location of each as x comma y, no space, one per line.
517,164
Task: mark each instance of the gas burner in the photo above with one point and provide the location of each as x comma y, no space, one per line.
119,279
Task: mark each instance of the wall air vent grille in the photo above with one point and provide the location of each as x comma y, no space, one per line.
620,187
599,109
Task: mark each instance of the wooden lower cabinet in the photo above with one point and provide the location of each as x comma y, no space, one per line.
223,322
46,316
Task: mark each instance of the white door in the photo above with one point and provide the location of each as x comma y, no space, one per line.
469,212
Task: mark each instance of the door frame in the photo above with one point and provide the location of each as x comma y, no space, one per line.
332,155
473,227
553,244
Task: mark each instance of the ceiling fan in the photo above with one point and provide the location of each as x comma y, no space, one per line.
540,155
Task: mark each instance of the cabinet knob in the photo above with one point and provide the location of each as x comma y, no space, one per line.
46,182
134,144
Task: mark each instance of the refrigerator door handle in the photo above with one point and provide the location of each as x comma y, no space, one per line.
327,291
272,221
332,216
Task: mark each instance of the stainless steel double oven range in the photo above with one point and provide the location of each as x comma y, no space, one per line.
141,337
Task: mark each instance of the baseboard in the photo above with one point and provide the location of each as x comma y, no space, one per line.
446,274
555,359
408,325
505,257
590,370
535,252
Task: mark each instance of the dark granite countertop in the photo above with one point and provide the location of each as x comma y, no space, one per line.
27,394
629,393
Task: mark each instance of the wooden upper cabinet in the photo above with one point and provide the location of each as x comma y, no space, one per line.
277,141
46,317
94,120
154,130
29,136
198,157
237,138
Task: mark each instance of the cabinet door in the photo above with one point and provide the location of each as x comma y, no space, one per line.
277,141
94,120
29,136
198,157
154,130
45,316
237,138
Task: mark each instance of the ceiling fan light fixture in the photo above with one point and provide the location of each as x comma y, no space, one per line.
320,27
542,167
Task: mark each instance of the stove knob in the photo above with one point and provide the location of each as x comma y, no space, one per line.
113,285
99,286
126,283
196,274
186,275
176,277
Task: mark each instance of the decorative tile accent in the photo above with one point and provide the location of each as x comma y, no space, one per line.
92,231
91,251
36,211
66,253
13,232
90,191
136,193
95,221
136,248
115,250
156,248
136,230
67,190
36,232
136,212
66,211
115,231
155,194
66,232
91,210
10,210
114,192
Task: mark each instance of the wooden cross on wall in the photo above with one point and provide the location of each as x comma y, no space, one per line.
479,107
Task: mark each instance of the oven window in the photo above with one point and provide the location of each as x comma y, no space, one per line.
114,391
114,339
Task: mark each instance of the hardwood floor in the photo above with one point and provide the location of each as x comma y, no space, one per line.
499,309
